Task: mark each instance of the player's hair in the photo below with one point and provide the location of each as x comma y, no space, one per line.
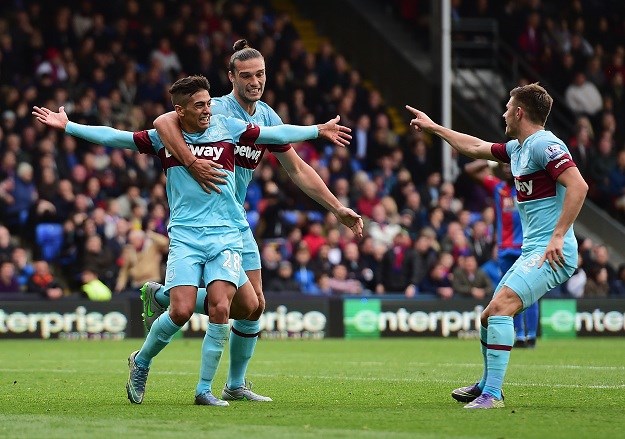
182,90
242,52
534,100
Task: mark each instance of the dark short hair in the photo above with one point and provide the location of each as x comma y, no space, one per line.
242,52
534,100
182,90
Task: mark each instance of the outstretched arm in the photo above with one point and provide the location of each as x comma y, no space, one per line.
99,135
309,181
463,143
282,134
205,172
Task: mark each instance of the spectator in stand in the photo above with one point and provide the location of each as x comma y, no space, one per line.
529,42
141,259
43,282
481,244
600,169
24,195
583,97
368,199
283,281
380,228
398,272
618,287
469,280
8,279
23,268
99,259
581,146
339,282
6,244
601,259
302,271
270,261
617,184
321,263
597,285
94,288
437,282
574,287
314,238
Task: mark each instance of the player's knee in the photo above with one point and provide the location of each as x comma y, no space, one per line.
506,303
180,314
220,312
259,308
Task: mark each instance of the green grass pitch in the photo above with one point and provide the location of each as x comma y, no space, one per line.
321,389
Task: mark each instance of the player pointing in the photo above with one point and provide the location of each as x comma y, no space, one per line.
550,194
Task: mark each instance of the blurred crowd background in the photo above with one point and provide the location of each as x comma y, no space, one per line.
83,219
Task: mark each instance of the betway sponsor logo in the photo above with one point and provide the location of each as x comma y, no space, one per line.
445,322
247,152
211,152
525,187
48,323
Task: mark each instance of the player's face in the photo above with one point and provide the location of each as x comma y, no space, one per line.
248,79
510,116
197,112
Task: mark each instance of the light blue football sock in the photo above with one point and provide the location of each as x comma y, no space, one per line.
483,342
531,320
164,300
500,341
200,300
519,326
212,348
242,343
161,297
159,336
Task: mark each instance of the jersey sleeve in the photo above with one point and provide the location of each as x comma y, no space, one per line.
102,135
554,158
147,141
500,152
242,132
272,120
283,134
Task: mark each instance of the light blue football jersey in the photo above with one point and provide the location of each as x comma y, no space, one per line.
189,204
536,165
247,157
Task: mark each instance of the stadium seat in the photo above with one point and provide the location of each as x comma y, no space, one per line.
49,239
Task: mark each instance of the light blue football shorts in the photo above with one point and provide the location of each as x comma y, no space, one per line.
531,283
209,253
250,253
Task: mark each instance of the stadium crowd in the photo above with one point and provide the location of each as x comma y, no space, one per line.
86,219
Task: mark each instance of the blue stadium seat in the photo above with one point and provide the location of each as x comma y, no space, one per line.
49,239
